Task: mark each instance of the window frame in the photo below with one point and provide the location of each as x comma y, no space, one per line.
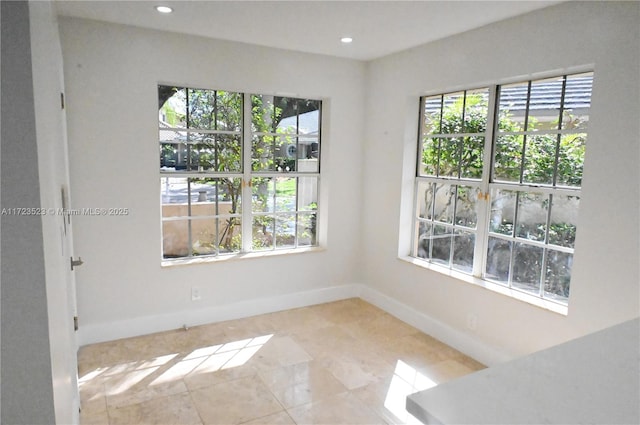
487,184
246,175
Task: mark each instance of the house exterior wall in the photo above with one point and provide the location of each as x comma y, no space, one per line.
603,36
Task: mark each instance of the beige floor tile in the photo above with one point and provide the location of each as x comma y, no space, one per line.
297,320
447,370
176,409
301,383
343,408
219,368
142,385
278,352
344,362
235,402
350,310
381,329
94,418
280,418
325,341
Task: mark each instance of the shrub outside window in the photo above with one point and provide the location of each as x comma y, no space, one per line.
238,172
506,210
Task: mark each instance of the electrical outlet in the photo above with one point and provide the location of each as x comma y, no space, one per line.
195,294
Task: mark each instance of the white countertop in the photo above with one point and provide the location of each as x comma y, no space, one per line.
594,379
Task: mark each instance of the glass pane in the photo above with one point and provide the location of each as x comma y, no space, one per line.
463,246
307,193
540,157
444,198
306,229
544,104
577,101
498,260
263,194
228,111
441,244
449,157
229,235
298,116
423,248
214,110
476,110
203,193
172,102
228,153
424,200
503,208
175,238
284,118
263,153
285,150
285,231
262,113
558,275
308,154
532,216
512,105
564,216
432,114
430,153
472,157
263,230
204,236
285,193
173,150
201,109
507,161
466,213
174,191
202,151
452,113
229,194
571,159
527,268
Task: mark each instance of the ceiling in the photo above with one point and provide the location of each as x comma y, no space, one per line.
378,28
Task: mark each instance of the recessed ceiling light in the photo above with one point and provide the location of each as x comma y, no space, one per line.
164,9
346,40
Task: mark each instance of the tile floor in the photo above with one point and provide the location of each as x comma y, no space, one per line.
345,362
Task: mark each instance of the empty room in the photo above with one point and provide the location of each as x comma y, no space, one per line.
320,212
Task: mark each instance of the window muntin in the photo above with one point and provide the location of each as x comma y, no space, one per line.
210,162
523,187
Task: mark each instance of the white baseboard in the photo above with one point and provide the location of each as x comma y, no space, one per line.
461,341
94,333
91,334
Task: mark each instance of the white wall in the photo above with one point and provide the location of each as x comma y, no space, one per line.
605,284
111,76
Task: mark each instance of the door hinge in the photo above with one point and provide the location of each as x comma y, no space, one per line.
62,100
75,323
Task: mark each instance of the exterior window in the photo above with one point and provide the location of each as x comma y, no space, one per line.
238,172
504,211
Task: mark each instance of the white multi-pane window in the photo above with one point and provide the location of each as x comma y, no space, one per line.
498,182
238,172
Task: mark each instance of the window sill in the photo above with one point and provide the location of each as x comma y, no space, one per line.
235,257
494,287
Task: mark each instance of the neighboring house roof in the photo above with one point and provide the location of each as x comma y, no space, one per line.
545,96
